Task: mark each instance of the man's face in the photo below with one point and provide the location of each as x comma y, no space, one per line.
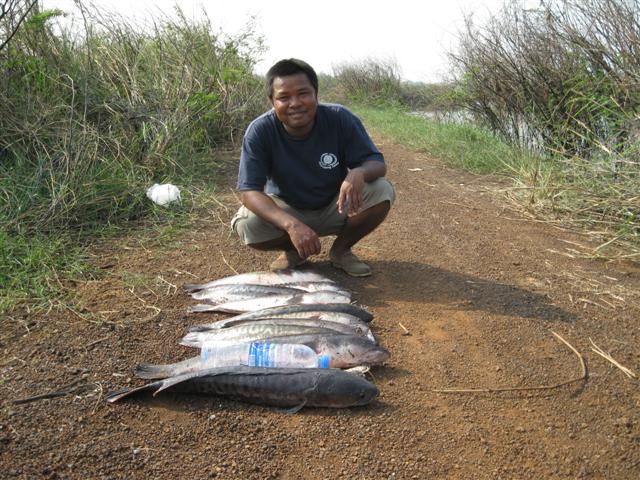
295,103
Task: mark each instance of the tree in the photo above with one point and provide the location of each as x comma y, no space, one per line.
12,14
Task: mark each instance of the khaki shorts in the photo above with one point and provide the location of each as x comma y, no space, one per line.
325,221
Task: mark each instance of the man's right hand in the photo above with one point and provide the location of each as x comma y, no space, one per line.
305,239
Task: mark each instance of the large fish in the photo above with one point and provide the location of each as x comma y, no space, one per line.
235,292
249,332
240,291
344,351
260,303
345,326
280,387
303,309
262,278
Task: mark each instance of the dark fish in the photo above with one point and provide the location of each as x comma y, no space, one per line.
275,312
280,387
336,317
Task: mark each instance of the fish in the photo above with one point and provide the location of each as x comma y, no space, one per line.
248,333
240,291
337,317
260,303
344,351
354,327
293,388
235,292
262,278
288,310
316,286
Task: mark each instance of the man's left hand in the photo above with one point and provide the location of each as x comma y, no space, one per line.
350,200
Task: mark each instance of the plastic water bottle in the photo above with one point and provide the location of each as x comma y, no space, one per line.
262,354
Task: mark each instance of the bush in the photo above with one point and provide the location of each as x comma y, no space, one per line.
371,81
87,120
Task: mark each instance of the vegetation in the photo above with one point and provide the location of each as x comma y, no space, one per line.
89,120
562,79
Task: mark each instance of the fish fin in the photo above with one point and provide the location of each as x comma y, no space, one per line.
292,410
152,372
201,328
201,307
127,392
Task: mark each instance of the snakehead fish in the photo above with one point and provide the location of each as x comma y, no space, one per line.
280,387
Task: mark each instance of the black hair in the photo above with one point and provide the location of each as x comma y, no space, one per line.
291,66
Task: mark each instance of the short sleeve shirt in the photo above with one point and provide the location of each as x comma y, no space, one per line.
305,172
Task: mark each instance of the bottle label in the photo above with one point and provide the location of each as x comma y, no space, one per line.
259,354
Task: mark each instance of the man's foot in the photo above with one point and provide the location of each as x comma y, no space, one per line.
351,264
287,259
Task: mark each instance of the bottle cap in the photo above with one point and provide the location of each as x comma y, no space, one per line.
323,361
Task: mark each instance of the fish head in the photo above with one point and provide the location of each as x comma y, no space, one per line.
350,351
342,389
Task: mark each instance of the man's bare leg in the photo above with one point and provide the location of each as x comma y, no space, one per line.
289,257
357,227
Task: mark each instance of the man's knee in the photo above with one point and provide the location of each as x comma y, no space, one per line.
252,230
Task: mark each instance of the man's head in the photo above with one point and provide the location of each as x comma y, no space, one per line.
293,90
288,67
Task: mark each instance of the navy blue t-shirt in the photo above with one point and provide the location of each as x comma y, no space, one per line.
305,172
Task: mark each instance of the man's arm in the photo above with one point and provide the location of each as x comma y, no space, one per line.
304,239
350,198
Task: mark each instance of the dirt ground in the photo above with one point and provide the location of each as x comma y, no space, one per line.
479,289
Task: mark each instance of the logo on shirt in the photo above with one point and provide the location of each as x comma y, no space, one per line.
328,161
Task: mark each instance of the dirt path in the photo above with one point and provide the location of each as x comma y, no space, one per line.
478,287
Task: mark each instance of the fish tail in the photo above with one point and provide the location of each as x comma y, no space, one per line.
127,392
201,307
191,340
152,372
192,287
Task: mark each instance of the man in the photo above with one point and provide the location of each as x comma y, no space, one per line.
308,170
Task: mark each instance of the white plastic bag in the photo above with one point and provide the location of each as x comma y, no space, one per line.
163,194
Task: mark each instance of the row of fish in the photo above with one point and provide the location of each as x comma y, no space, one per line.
287,306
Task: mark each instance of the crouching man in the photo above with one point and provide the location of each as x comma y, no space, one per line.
309,170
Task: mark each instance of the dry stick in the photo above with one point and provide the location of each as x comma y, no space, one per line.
72,387
583,367
628,372
227,263
406,330
95,342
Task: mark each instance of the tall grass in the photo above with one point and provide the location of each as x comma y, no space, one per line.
370,81
91,116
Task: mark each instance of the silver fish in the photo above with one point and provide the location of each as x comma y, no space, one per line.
289,310
344,351
240,291
348,327
260,303
248,333
262,278
281,387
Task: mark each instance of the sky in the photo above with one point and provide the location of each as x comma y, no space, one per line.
415,35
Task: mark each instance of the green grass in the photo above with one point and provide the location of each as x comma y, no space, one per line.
460,145
33,268
574,192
